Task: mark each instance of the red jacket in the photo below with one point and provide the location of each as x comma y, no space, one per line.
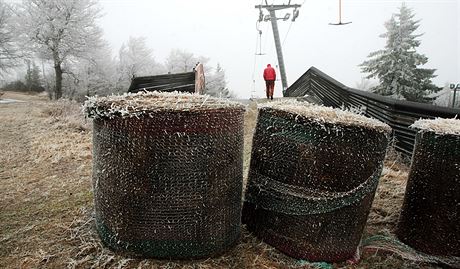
269,73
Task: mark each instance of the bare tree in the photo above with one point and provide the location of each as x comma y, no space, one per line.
136,59
9,51
60,30
445,97
96,75
180,61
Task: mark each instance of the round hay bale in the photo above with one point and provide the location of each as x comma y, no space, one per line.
167,173
430,217
313,175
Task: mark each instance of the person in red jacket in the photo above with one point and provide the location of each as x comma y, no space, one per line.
269,77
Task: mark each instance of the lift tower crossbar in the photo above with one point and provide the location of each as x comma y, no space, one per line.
274,21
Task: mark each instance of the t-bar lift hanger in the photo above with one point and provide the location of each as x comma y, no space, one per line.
340,16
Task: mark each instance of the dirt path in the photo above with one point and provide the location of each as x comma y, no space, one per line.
46,198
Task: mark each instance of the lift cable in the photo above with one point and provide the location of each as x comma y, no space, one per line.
287,33
290,25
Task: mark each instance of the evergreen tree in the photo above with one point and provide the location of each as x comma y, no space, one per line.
397,66
32,77
216,84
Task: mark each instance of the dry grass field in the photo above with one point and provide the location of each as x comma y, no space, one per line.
46,201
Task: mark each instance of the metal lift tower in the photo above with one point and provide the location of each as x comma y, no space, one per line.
274,20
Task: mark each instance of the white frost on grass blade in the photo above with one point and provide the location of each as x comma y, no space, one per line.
325,114
146,103
439,125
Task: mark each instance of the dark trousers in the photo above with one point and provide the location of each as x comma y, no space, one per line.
269,88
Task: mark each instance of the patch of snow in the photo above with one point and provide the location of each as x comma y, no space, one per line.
10,101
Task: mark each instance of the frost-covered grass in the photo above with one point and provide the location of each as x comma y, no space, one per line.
439,126
46,200
147,103
66,114
323,114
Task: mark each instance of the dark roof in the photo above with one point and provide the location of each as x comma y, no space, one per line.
182,82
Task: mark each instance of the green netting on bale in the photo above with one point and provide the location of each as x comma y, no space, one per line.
291,131
312,179
271,194
391,244
288,199
167,173
316,265
433,190
164,248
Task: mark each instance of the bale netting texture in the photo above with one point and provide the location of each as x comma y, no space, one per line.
430,217
167,173
312,179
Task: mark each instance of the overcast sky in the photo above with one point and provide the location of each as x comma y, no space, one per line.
225,31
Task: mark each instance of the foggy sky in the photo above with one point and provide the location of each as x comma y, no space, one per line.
225,31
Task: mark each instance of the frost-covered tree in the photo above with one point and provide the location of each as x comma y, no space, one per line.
60,30
100,73
398,65
216,84
9,50
32,77
365,84
136,59
181,61
445,97
95,75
